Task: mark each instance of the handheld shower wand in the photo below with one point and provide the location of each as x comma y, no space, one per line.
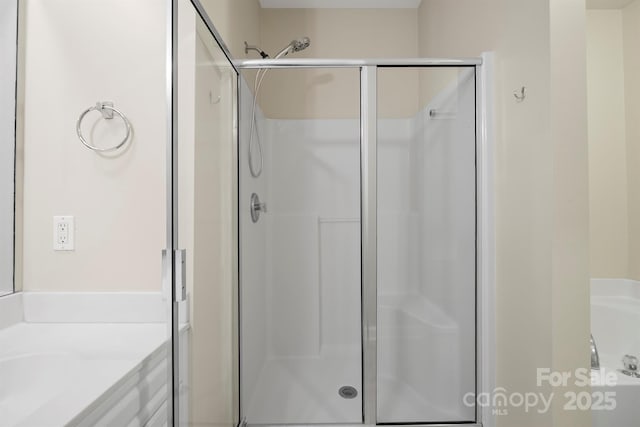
294,46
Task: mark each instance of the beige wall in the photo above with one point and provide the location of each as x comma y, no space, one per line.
541,181
74,59
237,21
337,33
570,293
609,216
631,36
613,134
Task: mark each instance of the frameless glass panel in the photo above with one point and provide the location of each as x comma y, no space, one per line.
300,247
8,37
426,244
207,230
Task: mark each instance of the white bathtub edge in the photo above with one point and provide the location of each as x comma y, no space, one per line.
602,287
11,310
94,307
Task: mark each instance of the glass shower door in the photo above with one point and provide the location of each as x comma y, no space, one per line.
205,226
426,225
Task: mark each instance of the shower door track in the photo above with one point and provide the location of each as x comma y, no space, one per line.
439,424
484,225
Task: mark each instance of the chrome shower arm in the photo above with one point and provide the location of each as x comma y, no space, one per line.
248,47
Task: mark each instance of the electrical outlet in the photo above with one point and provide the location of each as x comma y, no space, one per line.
63,233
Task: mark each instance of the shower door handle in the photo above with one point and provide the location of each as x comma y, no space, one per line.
177,277
180,269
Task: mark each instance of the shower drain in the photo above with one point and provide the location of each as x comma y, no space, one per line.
348,392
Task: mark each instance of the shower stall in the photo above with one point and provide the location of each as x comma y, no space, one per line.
358,277
263,242
347,267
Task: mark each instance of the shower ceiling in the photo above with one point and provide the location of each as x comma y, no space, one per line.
340,4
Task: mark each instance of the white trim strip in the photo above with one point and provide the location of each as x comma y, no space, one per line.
369,233
96,307
487,270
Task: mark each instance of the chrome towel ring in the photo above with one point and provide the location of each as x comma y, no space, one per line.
106,109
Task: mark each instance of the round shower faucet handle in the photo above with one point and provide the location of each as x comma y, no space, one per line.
257,207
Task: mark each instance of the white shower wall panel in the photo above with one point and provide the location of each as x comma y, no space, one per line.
314,167
253,262
294,286
314,286
313,236
339,280
396,238
314,230
444,147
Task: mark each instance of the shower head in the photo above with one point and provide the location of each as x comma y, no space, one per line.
300,44
295,46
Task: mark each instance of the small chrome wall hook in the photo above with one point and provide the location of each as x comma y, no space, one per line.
521,94
213,101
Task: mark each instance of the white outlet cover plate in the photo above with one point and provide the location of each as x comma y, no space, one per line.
63,233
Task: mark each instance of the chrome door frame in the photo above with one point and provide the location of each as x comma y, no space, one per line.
369,239
368,176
